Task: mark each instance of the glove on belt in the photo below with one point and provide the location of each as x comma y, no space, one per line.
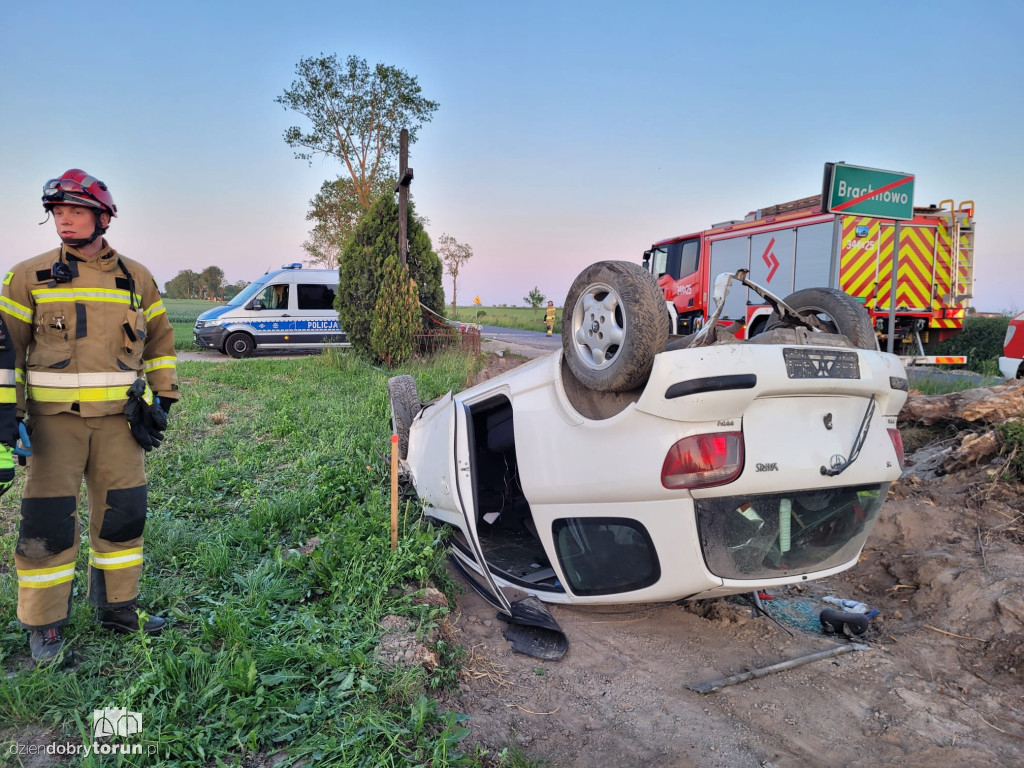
145,416
6,468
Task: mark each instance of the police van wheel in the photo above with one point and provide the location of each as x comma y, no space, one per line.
239,345
405,404
837,310
613,325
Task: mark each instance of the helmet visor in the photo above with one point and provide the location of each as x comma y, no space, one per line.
69,192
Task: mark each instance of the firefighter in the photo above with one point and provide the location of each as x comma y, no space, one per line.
88,327
549,317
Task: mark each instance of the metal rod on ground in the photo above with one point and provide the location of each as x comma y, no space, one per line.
722,682
394,491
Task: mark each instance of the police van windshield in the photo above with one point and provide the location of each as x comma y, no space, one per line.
243,296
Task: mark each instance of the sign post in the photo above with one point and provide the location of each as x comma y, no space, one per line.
872,192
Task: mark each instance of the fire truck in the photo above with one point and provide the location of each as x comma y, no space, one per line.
809,243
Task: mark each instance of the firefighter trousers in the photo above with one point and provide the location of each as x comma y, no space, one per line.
66,447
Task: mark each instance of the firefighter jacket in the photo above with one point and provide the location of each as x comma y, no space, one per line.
81,341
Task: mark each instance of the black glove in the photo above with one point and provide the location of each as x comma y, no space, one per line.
145,416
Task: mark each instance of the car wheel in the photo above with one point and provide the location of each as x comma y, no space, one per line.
838,312
613,326
405,404
239,345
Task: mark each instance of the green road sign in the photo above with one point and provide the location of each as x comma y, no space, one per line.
869,192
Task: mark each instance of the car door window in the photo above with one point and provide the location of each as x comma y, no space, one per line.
275,296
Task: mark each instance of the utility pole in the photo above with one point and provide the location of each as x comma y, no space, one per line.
404,180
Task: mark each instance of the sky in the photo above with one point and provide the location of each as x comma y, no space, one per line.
567,133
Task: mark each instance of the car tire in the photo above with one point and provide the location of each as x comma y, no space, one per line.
239,345
839,312
405,404
613,326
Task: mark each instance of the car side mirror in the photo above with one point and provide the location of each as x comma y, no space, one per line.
256,304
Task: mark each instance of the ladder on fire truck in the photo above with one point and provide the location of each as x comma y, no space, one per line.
961,229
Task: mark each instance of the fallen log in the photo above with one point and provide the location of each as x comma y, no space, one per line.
986,405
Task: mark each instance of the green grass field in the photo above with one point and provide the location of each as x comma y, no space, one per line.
268,550
522,318
183,313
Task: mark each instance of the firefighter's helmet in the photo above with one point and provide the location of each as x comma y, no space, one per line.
76,187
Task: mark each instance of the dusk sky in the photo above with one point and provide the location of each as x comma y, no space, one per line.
567,133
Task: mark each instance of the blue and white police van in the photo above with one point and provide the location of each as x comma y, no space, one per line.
289,308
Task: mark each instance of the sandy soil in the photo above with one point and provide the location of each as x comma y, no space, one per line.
942,682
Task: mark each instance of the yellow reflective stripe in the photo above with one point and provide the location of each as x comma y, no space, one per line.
19,375
8,377
111,295
112,561
8,277
15,310
169,361
69,380
41,578
158,308
8,395
76,394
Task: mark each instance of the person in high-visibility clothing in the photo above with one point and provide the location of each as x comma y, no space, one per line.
549,317
87,324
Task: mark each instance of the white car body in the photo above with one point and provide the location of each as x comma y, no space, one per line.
572,508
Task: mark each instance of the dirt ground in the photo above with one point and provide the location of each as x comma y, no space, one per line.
942,681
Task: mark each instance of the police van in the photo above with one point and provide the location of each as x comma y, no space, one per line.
289,308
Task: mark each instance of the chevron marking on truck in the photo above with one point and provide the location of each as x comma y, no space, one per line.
943,269
915,278
858,262
884,289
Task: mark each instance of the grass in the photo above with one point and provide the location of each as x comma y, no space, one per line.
183,313
270,651
523,318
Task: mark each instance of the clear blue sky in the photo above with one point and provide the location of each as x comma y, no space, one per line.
568,132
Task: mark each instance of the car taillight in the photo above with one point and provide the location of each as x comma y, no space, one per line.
897,443
701,461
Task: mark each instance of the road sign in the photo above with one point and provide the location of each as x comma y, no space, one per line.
476,300
869,192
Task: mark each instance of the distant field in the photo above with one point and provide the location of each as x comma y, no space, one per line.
523,318
183,313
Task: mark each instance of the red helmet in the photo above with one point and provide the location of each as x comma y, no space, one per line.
76,187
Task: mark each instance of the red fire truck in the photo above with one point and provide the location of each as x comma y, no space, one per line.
805,243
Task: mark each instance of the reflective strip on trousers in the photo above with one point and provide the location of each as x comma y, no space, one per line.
41,578
113,561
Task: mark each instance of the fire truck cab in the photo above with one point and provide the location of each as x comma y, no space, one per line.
796,245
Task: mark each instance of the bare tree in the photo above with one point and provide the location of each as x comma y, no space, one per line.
453,255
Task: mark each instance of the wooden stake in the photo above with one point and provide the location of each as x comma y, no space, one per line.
394,491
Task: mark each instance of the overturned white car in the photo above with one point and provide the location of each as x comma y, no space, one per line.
631,467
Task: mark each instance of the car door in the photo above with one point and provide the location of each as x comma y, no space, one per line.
273,319
466,497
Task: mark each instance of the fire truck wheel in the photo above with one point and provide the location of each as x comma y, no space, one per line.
405,404
613,326
838,311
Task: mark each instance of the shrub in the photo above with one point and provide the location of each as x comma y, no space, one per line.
393,328
981,340
361,271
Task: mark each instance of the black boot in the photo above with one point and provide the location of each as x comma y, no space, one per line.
126,620
47,645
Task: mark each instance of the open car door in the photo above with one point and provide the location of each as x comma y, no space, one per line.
531,628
